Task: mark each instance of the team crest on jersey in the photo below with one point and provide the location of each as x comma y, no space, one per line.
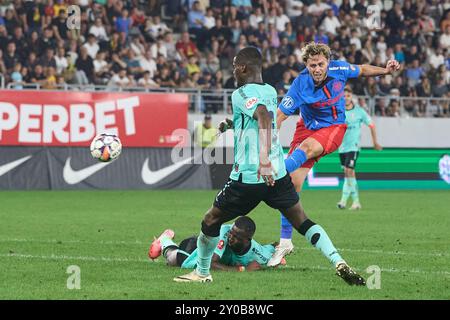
220,245
251,102
287,102
337,86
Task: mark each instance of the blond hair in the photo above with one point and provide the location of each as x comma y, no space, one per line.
313,49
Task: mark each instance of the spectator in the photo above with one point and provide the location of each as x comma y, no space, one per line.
50,78
209,21
294,8
37,76
133,66
92,46
102,72
120,79
61,62
147,82
305,19
318,8
171,49
99,30
158,48
84,68
412,54
243,8
285,83
281,20
59,26
123,23
205,133
399,54
414,73
137,46
444,39
330,23
393,109
148,63
11,58
192,66
186,47
440,88
355,39
436,58
321,37
16,77
256,18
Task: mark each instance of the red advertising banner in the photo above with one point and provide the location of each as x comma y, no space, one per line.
54,118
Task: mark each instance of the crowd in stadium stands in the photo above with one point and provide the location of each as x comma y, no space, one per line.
190,44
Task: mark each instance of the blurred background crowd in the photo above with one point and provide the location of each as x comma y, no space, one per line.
190,44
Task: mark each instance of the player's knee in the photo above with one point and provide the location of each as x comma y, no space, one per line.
211,227
171,258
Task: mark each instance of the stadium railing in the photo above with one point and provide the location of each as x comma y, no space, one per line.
219,100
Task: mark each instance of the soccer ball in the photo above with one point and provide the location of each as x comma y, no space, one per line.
106,147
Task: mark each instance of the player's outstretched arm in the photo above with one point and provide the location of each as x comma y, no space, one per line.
373,132
281,116
367,70
265,144
216,265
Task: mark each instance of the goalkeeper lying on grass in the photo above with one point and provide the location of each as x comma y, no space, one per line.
236,250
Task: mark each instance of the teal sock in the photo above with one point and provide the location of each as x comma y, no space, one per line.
166,242
354,193
346,190
205,250
317,236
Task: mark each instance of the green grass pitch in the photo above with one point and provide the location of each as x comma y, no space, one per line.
107,234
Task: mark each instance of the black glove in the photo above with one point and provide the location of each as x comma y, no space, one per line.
224,125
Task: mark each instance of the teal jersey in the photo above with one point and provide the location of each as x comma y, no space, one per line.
245,101
257,252
354,118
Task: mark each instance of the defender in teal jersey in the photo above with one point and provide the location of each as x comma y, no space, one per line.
236,250
259,173
355,117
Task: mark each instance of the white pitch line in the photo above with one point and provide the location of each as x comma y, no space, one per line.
126,259
81,258
140,243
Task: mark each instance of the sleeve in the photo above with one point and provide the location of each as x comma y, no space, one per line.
291,101
350,70
223,240
246,102
268,251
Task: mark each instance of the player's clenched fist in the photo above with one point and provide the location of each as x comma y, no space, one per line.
224,125
392,66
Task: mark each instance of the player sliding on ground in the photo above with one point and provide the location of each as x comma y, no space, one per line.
318,94
236,250
355,116
258,173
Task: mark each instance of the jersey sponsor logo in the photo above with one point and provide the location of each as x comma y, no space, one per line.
152,177
337,86
251,102
71,176
220,245
287,102
337,68
11,165
328,102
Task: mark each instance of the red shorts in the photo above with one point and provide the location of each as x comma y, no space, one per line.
330,138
